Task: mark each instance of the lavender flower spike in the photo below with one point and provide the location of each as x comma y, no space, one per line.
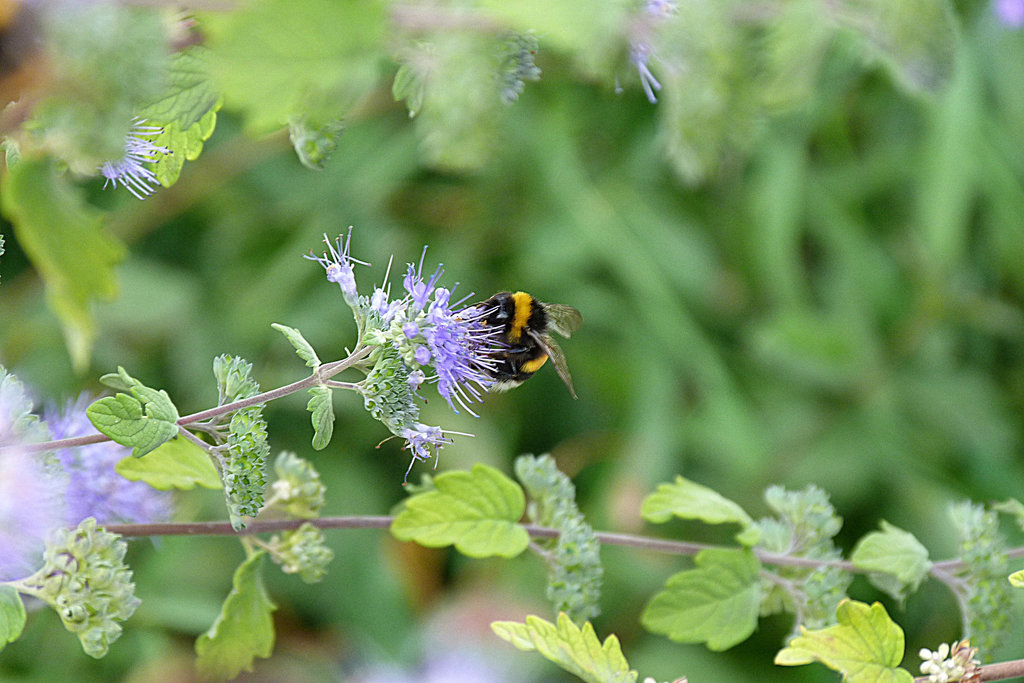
95,488
130,171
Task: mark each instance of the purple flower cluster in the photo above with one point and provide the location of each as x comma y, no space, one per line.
431,339
131,170
95,489
30,509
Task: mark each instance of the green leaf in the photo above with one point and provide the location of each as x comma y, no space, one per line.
866,646
1017,579
576,650
302,347
244,628
189,95
278,58
12,615
322,409
66,242
716,603
177,464
184,145
476,511
689,500
120,417
892,553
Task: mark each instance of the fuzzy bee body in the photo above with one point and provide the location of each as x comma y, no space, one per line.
526,326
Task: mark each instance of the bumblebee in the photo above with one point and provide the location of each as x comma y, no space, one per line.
526,325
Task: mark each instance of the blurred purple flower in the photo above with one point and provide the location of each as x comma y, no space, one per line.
131,170
1010,12
95,489
30,508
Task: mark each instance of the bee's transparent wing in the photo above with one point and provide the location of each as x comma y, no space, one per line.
554,352
563,319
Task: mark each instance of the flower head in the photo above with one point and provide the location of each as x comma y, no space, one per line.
338,265
95,488
421,337
131,170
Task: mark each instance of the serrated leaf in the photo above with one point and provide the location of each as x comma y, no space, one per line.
575,649
176,464
716,603
1017,579
12,615
302,347
896,553
322,409
189,95
183,144
244,628
475,511
65,240
866,646
121,418
120,380
278,58
690,500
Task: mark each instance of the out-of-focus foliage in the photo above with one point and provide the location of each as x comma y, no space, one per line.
803,264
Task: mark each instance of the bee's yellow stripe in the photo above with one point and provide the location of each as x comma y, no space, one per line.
523,307
534,365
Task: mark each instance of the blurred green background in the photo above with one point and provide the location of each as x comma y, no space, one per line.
840,304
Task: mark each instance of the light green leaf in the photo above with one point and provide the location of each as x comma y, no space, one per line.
314,141
1017,579
302,347
476,511
576,650
184,145
322,409
716,603
12,615
189,95
866,646
893,553
120,417
66,242
277,58
177,464
244,628
689,500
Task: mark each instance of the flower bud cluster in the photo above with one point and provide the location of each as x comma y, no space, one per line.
298,487
302,552
87,582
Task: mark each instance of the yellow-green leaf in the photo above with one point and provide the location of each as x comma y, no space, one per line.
575,649
243,630
866,646
177,464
